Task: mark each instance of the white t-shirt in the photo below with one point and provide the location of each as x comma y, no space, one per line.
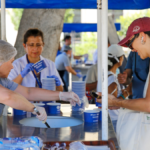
112,79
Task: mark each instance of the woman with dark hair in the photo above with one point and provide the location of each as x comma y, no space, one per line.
115,60
22,72
133,126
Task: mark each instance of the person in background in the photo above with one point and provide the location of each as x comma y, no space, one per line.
67,42
115,60
59,50
22,73
136,72
63,64
91,78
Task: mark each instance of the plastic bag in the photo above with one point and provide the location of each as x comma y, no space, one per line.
24,143
77,146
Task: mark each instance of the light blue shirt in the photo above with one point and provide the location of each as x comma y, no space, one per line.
8,84
62,61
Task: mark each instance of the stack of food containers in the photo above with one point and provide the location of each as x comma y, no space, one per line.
78,87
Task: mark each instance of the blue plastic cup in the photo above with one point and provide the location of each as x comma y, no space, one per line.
19,112
78,107
53,108
91,116
39,104
100,113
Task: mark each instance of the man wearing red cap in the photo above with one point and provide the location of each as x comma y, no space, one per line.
133,126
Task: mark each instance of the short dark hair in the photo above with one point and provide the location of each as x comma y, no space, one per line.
32,32
67,37
114,61
148,33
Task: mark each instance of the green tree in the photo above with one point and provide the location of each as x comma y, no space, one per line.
88,44
16,15
69,15
127,20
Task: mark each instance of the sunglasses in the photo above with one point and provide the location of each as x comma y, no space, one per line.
129,44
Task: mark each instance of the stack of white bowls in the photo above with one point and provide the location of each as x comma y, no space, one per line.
78,87
49,84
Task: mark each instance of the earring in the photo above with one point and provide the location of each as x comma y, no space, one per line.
142,42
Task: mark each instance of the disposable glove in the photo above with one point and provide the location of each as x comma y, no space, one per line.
58,83
77,71
79,75
43,115
26,70
70,97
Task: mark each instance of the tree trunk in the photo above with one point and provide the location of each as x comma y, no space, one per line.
50,21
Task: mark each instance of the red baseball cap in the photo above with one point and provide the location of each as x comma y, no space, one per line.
137,26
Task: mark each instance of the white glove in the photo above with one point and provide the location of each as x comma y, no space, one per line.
43,115
70,97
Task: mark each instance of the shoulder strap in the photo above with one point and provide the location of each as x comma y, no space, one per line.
109,75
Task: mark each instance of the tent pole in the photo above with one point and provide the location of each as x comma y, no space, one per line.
104,43
72,58
99,48
3,20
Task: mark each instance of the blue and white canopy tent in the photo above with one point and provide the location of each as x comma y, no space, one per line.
102,12
77,4
84,27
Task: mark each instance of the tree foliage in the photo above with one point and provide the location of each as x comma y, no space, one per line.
69,15
127,20
16,15
88,44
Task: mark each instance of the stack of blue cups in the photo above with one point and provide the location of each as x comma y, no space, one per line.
48,84
78,87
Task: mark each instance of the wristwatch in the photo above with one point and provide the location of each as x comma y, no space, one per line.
36,111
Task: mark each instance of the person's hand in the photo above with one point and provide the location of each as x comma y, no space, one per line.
26,70
70,97
122,77
58,83
43,115
111,99
129,88
113,107
79,75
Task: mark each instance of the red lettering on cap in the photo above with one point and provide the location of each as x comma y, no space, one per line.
136,28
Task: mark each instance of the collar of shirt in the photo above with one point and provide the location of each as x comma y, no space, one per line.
64,53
